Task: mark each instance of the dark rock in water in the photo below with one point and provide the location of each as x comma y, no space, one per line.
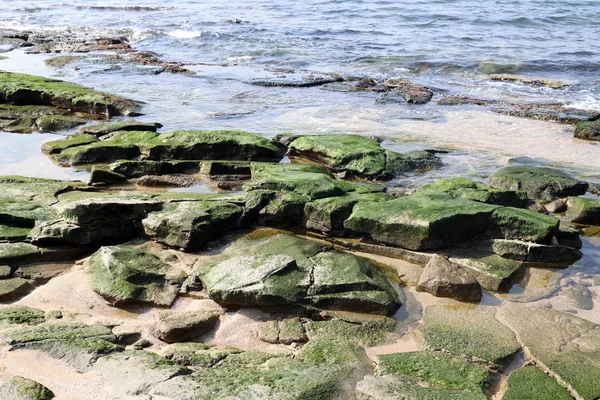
443,279
352,84
548,112
292,78
544,184
190,224
528,80
166,180
101,175
178,326
583,211
19,388
128,125
412,93
133,276
56,123
463,100
359,156
20,89
276,271
588,130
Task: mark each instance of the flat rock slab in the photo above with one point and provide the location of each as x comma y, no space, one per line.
394,388
178,326
295,78
128,125
469,331
13,288
533,384
565,346
491,271
444,279
547,112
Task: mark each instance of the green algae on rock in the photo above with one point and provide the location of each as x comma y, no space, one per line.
331,350
56,123
127,125
540,183
19,388
533,384
588,130
583,211
469,331
471,190
178,326
129,275
21,89
390,387
22,315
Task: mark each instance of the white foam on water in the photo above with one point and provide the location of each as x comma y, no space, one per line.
185,34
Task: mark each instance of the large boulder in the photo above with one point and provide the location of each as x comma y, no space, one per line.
540,183
583,211
444,279
190,224
125,275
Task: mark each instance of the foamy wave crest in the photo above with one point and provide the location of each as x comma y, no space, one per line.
183,34
586,101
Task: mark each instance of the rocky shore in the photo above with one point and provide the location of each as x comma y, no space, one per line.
301,276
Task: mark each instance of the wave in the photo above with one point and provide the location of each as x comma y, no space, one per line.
115,8
184,34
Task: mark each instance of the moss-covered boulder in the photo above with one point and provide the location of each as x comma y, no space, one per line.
587,130
331,350
286,331
469,331
357,155
562,344
282,270
57,146
467,189
531,383
198,354
127,125
540,183
518,224
57,123
190,224
132,275
420,222
77,344
583,211
21,89
19,388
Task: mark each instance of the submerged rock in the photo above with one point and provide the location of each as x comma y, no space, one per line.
544,184
19,388
128,276
529,80
444,279
293,78
547,112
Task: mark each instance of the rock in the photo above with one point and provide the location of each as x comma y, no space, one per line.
136,372
286,331
420,222
561,344
443,279
435,369
357,155
493,272
166,180
16,254
528,80
556,206
467,189
19,388
21,89
57,123
77,344
101,175
413,161
462,100
587,130
579,297
531,383
128,125
178,326
137,169
280,209
191,224
128,276
297,78
530,252
365,329
583,211
57,146
22,315
544,184
13,288
330,351
468,331
199,354
394,388
525,225
547,112
328,215
276,271
415,94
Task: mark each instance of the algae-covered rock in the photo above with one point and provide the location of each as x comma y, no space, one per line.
129,275
139,168
331,350
56,123
19,388
491,271
420,222
365,329
13,288
587,130
197,354
583,211
177,326
470,331
540,183
286,331
547,112
444,279
21,89
435,369
471,190
566,346
190,224
358,155
56,146
412,93
22,315
533,384
102,175
127,125
525,225
390,387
